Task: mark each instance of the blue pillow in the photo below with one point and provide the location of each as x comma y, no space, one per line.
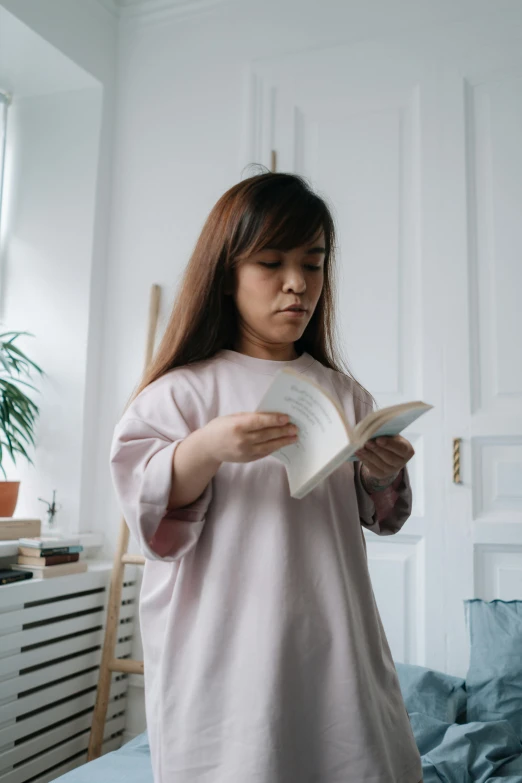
494,680
432,693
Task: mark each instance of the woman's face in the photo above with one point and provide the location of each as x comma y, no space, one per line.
271,281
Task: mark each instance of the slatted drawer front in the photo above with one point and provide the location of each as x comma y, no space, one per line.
51,637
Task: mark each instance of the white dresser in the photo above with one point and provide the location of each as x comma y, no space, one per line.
51,636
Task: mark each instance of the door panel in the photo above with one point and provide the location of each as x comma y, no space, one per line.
415,142
351,120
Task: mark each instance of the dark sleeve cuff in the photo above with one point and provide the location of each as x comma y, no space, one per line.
384,512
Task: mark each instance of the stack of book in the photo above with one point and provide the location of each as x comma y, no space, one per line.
13,528
47,556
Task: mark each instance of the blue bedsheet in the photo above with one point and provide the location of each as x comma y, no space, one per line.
452,749
451,753
487,749
129,764
469,752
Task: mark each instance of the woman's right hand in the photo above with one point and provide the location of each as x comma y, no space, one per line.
245,437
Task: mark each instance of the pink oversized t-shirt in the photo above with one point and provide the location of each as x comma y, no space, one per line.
265,657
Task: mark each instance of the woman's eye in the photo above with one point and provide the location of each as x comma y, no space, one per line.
274,264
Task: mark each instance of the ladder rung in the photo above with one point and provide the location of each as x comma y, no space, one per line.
132,560
126,665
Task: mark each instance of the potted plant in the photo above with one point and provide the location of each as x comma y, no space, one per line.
18,413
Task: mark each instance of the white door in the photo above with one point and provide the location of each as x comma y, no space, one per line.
397,134
481,253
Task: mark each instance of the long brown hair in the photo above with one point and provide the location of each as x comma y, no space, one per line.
266,210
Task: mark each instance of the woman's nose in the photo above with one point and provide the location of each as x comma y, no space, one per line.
295,282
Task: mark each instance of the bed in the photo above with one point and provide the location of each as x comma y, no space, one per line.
467,731
129,764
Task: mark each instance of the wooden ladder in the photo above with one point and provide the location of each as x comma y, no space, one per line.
109,663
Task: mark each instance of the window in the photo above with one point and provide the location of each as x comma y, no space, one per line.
5,100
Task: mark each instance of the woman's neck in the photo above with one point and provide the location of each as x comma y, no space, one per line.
274,353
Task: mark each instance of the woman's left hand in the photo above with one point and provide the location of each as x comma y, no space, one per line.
385,457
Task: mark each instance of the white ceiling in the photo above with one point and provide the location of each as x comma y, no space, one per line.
30,66
156,9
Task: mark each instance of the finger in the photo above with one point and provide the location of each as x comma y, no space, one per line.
373,468
389,458
375,463
397,445
263,449
260,421
271,433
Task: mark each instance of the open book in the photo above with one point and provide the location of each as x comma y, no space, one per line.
326,439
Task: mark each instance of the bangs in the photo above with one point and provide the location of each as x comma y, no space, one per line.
282,215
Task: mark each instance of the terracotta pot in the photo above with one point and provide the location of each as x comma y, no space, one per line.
8,497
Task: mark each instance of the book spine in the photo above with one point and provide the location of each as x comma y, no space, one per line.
39,542
48,561
59,559
13,532
5,580
34,552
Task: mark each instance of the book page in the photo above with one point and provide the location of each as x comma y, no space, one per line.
388,427
398,416
398,423
322,430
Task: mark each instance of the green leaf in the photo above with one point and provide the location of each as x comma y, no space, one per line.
25,435
26,424
14,349
25,383
15,335
20,449
18,412
9,445
12,395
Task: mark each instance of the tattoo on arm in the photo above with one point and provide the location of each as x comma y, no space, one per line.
372,484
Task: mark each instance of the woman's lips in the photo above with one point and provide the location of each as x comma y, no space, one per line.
294,313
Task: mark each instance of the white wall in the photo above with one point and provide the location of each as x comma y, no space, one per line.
181,142
67,45
46,270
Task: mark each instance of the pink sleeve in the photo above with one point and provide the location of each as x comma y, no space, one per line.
384,512
141,465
